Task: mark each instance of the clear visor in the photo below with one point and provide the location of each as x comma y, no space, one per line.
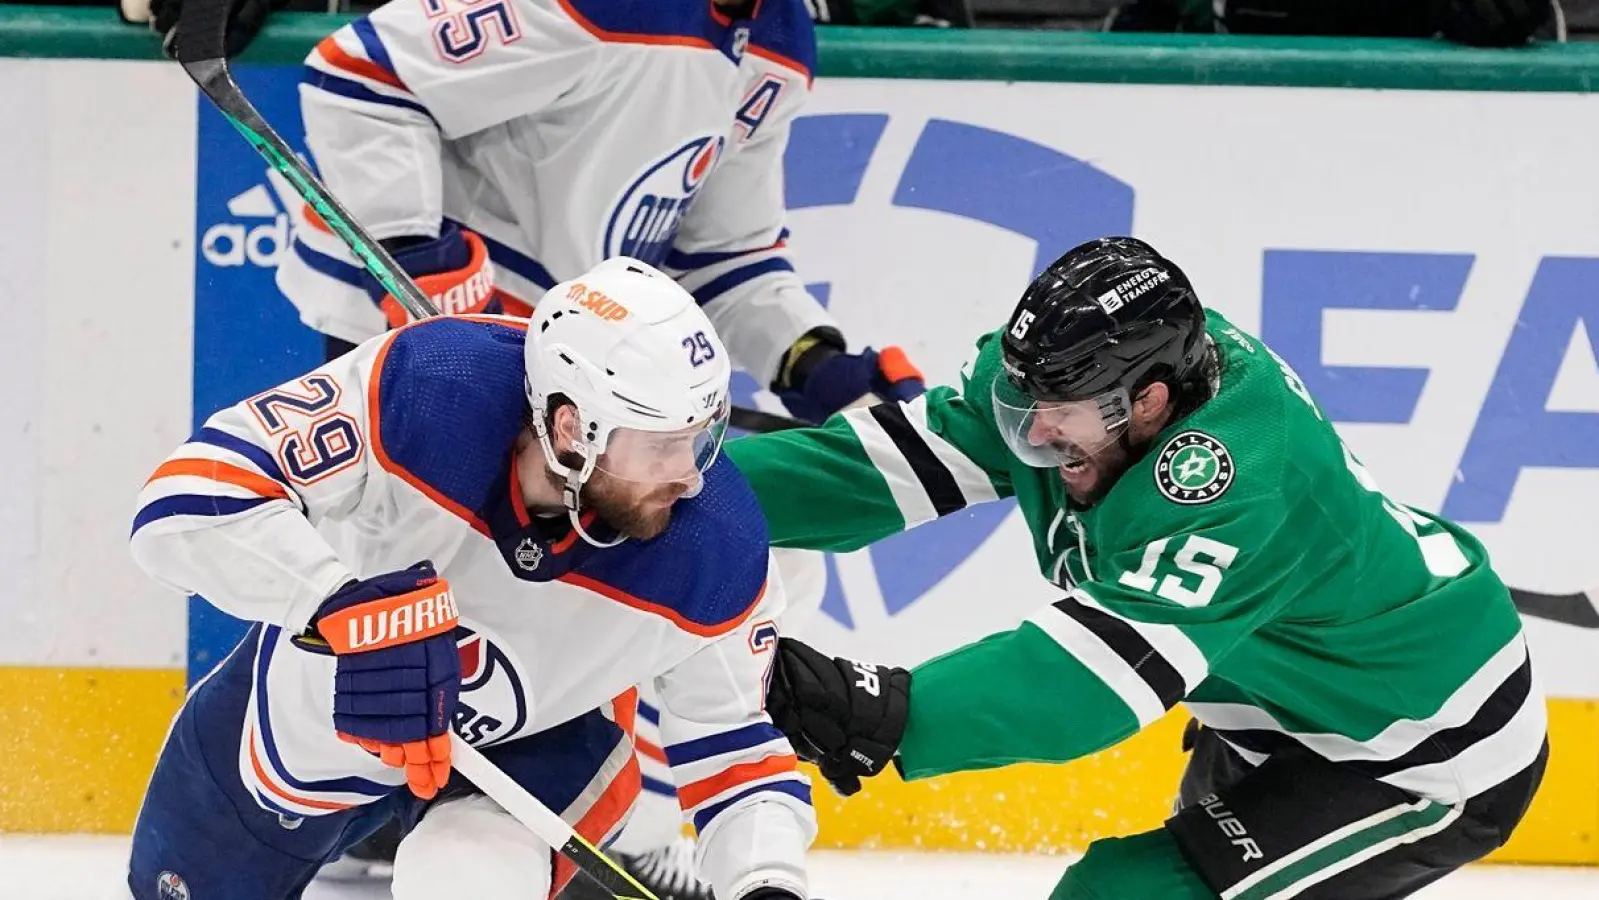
661,457
1050,433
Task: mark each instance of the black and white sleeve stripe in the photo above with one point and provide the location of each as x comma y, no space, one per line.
1150,667
927,476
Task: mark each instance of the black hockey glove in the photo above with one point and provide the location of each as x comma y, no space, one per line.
847,717
244,22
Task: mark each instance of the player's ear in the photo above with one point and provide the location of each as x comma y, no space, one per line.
1151,407
563,431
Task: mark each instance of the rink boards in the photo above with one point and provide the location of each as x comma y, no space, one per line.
1426,259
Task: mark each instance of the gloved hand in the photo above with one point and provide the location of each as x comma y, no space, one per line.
847,717
398,670
818,378
453,269
244,22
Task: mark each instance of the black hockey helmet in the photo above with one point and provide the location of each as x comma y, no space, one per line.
1103,321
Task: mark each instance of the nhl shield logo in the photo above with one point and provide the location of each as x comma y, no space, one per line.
168,886
1193,468
529,554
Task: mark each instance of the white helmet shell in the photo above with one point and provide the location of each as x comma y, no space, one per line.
631,349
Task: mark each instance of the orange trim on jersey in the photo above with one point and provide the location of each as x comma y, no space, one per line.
781,60
652,751
692,795
619,37
339,58
513,305
606,813
518,505
223,472
671,615
261,777
564,544
624,712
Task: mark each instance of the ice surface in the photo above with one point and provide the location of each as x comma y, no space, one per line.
91,868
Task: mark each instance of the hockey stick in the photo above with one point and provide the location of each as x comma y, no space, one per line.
1579,610
200,36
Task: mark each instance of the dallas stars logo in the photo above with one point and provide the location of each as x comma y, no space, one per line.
1193,468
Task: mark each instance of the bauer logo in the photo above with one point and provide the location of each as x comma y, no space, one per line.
988,210
645,218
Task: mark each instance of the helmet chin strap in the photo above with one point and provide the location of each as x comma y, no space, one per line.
572,491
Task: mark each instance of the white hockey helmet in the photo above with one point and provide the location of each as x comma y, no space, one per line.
633,351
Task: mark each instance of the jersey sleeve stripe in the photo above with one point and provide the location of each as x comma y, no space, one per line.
942,488
972,480
263,780
1169,642
193,505
323,264
727,281
257,456
697,792
1103,662
798,789
516,261
751,735
214,470
337,57
1134,649
902,481
671,615
367,34
652,751
680,261
354,90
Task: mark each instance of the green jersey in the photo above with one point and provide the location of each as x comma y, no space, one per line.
1246,565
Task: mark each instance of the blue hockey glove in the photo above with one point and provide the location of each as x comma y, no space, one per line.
453,269
819,378
398,671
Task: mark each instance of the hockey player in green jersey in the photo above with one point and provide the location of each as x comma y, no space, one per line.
1370,717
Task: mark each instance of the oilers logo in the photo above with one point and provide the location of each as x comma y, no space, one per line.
645,218
493,701
168,886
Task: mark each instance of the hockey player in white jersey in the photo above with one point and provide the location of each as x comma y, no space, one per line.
481,524
499,146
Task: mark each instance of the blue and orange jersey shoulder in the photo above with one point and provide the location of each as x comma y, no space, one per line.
706,573
445,405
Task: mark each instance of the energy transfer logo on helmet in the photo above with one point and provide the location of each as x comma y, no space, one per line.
1193,468
644,220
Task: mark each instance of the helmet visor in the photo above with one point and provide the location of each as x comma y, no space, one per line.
1046,434
661,457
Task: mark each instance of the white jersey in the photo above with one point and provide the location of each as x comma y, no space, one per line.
401,451
565,132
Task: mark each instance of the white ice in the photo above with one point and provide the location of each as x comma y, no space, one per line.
91,868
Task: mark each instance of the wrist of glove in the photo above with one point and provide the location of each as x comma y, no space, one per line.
819,378
397,673
845,716
453,269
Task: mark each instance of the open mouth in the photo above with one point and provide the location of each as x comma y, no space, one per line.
1072,468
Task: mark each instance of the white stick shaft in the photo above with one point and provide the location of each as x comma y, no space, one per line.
502,789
